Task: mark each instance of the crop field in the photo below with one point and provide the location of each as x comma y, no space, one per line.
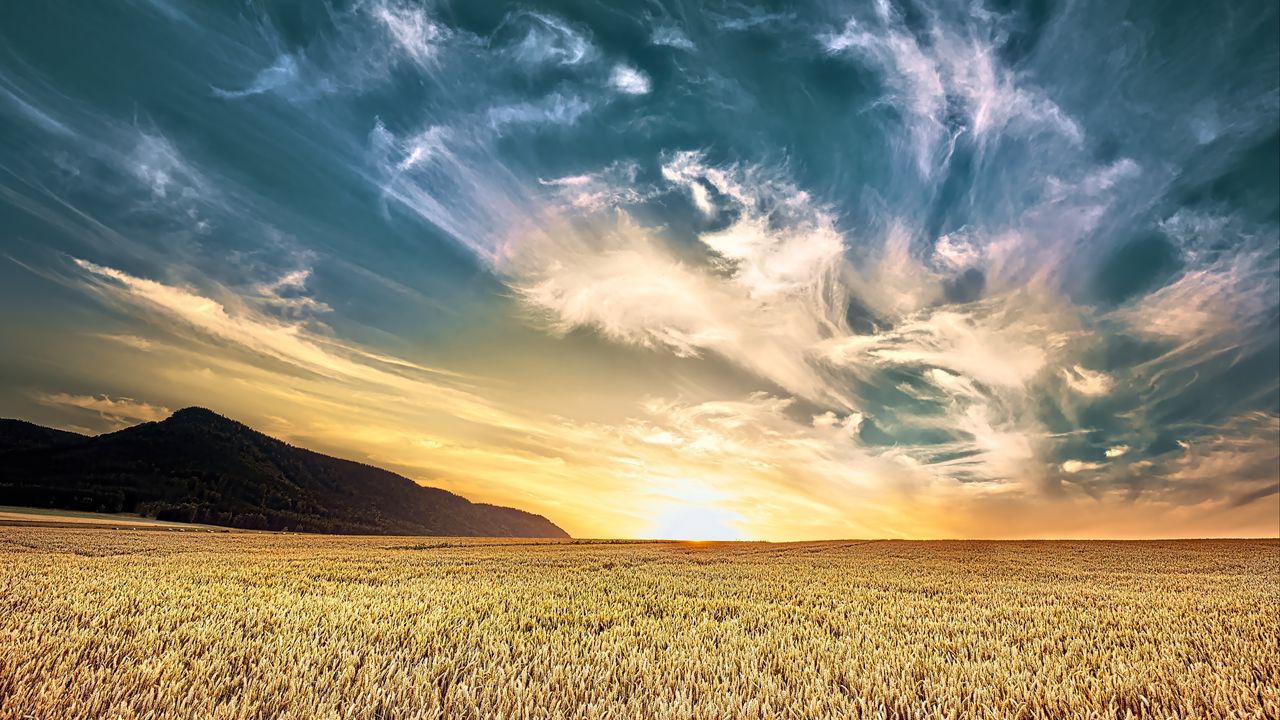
10,515
167,624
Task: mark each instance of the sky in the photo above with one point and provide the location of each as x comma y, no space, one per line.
708,270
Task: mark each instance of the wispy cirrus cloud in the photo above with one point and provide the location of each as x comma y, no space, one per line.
542,38
954,66
916,283
415,33
300,343
117,412
763,294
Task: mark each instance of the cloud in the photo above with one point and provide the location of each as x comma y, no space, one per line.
827,340
448,429
118,412
545,39
357,51
1087,382
956,252
999,342
1077,466
747,18
447,176
158,165
288,294
134,341
764,294
629,80
759,462
777,266
631,290
413,32
554,109
31,112
1206,303
671,36
768,289
236,323
279,76
755,460
614,187
953,67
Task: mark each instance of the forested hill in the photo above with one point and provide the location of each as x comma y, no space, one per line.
197,466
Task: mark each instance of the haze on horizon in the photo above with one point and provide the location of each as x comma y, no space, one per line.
708,270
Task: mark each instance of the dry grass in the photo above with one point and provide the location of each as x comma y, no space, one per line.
101,624
40,517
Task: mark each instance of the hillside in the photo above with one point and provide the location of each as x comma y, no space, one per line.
197,466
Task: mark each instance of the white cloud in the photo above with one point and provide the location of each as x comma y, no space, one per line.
419,149
119,412
764,280
549,40
158,165
891,281
629,80
412,31
630,288
955,62
277,77
1087,382
1000,342
287,293
848,425
1207,303
671,36
986,365
450,177
1237,465
686,168
765,291
953,384
554,109
764,297
613,187
956,252
1078,466
767,276
234,324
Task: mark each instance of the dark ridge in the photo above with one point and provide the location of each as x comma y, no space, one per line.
198,466
22,435
199,414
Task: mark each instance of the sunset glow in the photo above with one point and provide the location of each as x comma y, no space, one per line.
911,277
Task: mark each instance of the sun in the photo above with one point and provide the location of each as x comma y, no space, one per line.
697,522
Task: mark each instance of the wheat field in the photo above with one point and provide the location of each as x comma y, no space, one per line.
135,624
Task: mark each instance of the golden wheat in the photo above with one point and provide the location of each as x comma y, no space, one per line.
134,624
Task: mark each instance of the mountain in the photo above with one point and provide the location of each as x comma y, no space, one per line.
22,435
197,466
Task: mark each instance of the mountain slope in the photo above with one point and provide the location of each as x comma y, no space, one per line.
22,435
201,467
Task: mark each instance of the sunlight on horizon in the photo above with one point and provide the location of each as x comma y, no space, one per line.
696,523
